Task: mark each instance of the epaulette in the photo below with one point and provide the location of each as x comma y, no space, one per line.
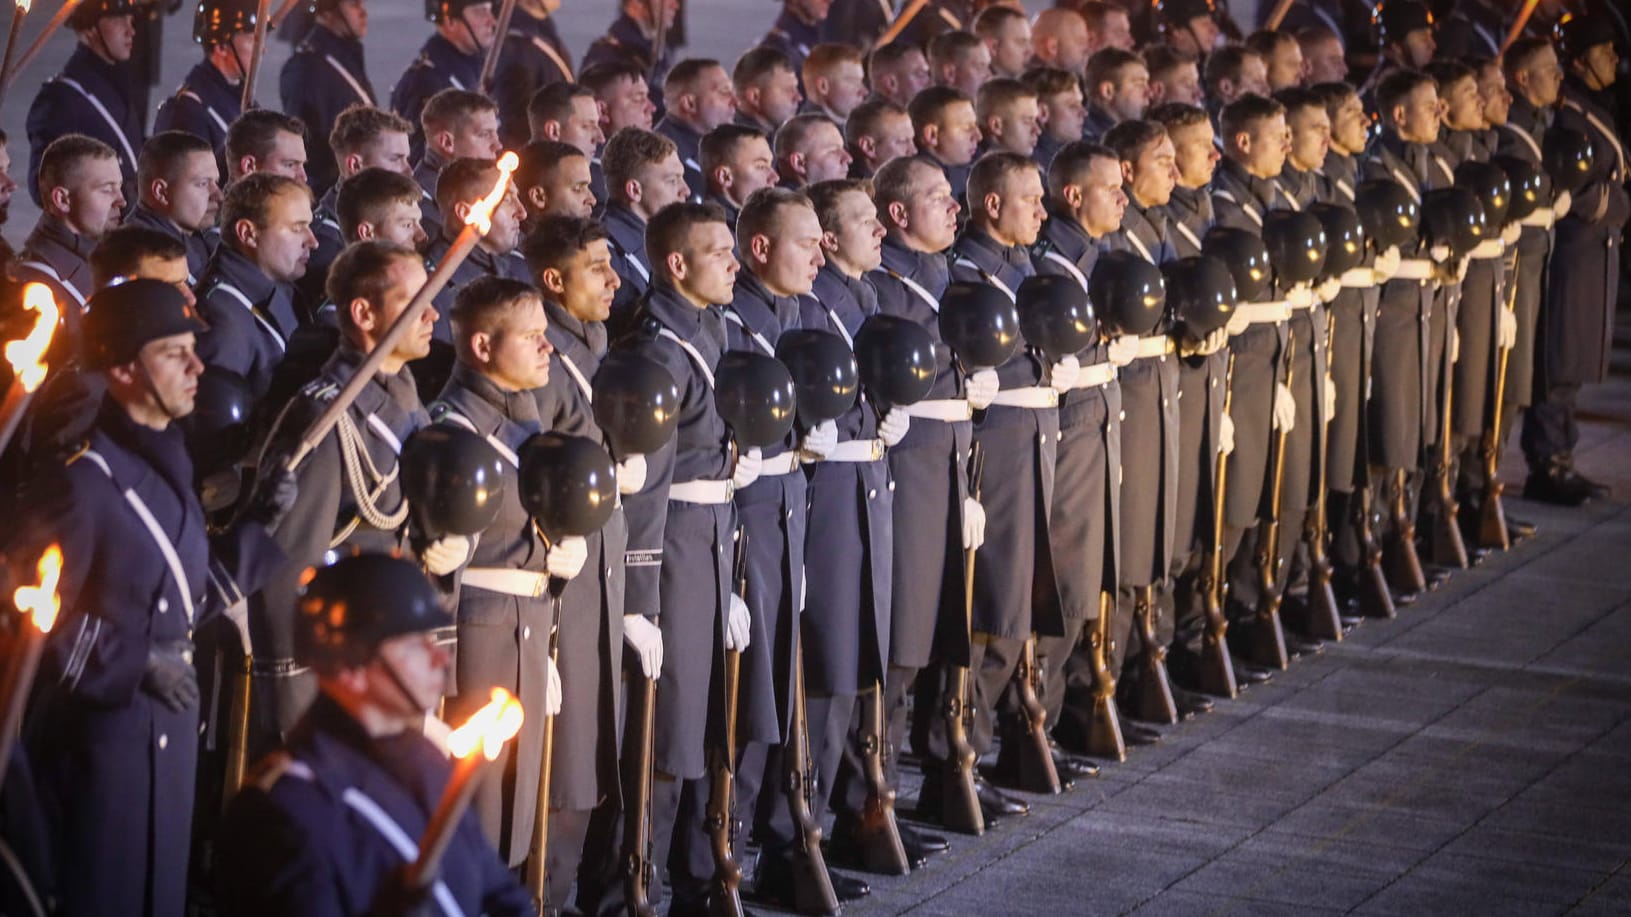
321,390
78,452
1040,248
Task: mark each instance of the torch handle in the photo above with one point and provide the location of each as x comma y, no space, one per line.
263,9
901,22
39,42
19,682
537,870
18,16
12,410
454,803
489,66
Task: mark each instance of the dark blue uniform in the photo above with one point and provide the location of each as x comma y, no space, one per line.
200,246
794,37
626,233
534,56
323,823
626,41
325,227
426,172
857,22
251,318
690,149
205,106
115,766
90,97
58,257
326,75
439,66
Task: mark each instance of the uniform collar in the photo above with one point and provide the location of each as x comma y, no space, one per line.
592,335
928,269
626,229
517,407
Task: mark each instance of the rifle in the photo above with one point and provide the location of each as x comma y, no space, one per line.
812,885
1448,547
1104,735
1324,618
1492,531
960,800
638,869
1403,564
1155,702
1268,640
1217,671
1031,761
724,898
877,836
537,872
489,64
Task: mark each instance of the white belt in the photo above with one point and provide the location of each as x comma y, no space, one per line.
510,582
704,493
1155,345
948,410
1543,218
1094,375
856,450
1264,313
1034,397
1414,269
1358,278
1487,249
786,463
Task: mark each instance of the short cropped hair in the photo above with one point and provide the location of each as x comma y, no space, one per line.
449,109
762,211
250,198
363,197
929,106
121,252
557,239
1176,115
1245,113
256,131
540,158
1130,139
757,65
1070,165
481,306
825,196
463,180
1106,66
790,137
627,152
162,154
991,170
951,48
360,271
1226,63
360,125
1050,81
1394,87
719,144
1161,60
998,95
554,102
671,226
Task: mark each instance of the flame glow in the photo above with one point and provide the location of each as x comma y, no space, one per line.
23,5
481,212
27,356
42,601
488,728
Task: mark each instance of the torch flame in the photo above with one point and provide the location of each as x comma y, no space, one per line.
481,212
23,5
41,601
488,728
27,356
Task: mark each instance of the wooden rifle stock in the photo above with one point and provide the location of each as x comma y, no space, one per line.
812,885
1217,670
1267,638
1449,548
1492,530
877,836
1324,617
724,895
1104,739
1029,762
959,796
1155,701
638,870
238,728
1403,564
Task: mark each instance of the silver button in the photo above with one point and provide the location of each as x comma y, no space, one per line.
872,494
164,741
526,633
1123,416
1164,402
164,605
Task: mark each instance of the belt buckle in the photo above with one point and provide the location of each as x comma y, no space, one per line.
730,490
1053,397
540,585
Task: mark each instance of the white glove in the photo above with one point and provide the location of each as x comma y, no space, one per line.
1507,338
1063,374
552,693
1226,435
892,429
1329,401
973,524
1461,266
1124,350
1300,296
1510,233
981,388
1455,345
739,625
820,440
1440,253
1238,323
566,557
646,639
631,475
748,466
1328,289
1561,204
1386,264
445,554
1215,342
1285,408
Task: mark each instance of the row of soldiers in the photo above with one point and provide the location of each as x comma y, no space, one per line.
1209,358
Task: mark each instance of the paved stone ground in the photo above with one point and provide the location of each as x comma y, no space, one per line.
1473,756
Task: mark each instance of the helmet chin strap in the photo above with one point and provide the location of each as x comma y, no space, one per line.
396,679
158,399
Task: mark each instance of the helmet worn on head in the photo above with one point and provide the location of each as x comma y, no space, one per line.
1394,19
440,11
348,608
86,14
1575,35
1179,13
122,319
216,21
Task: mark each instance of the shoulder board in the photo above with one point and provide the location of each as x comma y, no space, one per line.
1041,247
320,390
77,452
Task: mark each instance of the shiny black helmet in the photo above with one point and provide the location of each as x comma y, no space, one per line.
348,608
216,21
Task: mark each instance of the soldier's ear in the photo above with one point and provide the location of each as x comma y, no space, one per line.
365,231
552,129
160,190
481,346
829,243
461,210
1105,91
897,213
631,190
821,85
246,232
676,265
867,145
992,204
993,126
537,198
246,165
1073,195
723,177
1126,172
353,164
362,314
798,164
552,280
759,248
930,135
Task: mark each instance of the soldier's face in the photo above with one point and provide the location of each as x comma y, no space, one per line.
288,157
518,353
1600,65
1493,97
1065,114
661,184
1155,173
710,264
1285,66
1130,93
172,370
240,49
970,73
570,191
778,98
846,88
481,22
1542,78
1180,84
788,260
285,243
416,665
1011,48
1463,107
1070,45
582,128
1326,62
825,157
354,13
195,193
715,99
476,137
1418,117
1203,32
7,185
857,240
628,104
958,137
116,35
1419,47
172,271
894,138
1117,31
505,233
400,223
590,283
1020,127
95,197
1350,126
1310,137
389,151
931,214
404,278
1254,76
1020,213
910,76
752,168
1103,201
1194,153
1270,145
